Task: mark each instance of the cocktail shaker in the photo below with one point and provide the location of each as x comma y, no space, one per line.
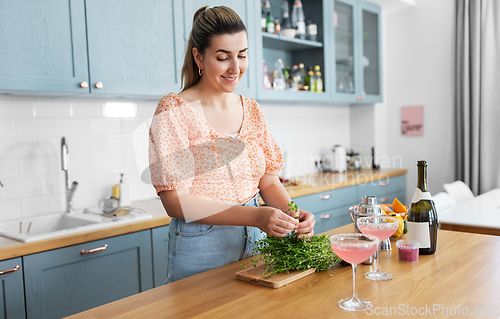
368,207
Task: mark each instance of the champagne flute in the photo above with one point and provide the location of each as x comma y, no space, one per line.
354,248
383,227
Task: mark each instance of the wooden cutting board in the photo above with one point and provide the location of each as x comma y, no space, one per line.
254,275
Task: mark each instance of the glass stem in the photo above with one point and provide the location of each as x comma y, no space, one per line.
377,257
354,294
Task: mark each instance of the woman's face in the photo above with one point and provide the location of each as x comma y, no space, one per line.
224,62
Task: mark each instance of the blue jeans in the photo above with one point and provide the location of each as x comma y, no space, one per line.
194,248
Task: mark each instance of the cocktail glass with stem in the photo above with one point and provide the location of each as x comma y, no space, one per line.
354,248
383,227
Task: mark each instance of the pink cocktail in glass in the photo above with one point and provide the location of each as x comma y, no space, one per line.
383,227
354,248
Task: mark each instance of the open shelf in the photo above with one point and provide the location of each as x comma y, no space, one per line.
274,41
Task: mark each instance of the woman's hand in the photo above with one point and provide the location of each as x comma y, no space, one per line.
306,222
274,222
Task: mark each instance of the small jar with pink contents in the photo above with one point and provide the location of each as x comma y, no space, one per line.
407,249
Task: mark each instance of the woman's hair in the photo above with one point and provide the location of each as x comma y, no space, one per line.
207,23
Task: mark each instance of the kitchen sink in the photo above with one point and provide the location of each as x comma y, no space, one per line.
54,225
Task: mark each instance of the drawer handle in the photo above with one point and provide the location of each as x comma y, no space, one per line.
325,216
325,196
384,199
383,183
95,250
8,271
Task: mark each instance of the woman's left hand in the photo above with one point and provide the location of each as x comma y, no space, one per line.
306,223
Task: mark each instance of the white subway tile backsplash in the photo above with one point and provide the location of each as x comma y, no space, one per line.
87,108
35,127
52,108
72,126
7,128
80,162
54,184
10,209
129,125
120,143
146,109
19,188
39,166
105,126
89,144
16,107
8,168
107,161
18,147
41,205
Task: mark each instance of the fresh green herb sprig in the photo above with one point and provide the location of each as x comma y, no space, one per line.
293,252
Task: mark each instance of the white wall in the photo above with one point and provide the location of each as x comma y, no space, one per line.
101,148
419,69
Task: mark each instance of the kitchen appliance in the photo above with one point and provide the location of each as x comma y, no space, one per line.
368,207
339,159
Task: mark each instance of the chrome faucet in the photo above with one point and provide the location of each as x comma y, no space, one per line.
70,189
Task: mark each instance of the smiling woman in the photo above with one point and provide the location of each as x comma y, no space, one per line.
211,154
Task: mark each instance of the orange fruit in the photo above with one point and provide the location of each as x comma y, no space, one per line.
398,207
385,208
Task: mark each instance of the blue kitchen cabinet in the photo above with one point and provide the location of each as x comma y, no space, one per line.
65,281
159,240
12,289
43,46
134,47
357,72
106,48
245,9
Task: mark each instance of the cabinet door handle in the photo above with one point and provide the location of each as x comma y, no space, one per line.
325,196
325,216
95,250
8,271
384,199
383,183
99,85
84,84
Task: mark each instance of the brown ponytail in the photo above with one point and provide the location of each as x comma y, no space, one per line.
207,22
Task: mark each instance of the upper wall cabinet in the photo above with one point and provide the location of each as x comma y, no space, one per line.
357,69
245,9
130,50
43,46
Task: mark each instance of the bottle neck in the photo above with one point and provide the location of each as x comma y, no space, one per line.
422,178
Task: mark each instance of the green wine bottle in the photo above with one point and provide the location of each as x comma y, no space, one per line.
423,218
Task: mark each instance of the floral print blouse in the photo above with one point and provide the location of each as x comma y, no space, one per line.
185,151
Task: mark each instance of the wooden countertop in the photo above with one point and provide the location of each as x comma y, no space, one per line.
312,183
463,274
320,182
10,248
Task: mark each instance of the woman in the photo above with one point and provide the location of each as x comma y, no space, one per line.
211,154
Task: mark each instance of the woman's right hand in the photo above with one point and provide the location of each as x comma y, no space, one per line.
274,222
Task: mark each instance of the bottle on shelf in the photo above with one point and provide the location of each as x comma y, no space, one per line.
285,16
422,217
279,82
298,19
318,79
311,31
287,77
277,26
266,78
302,76
295,78
311,80
269,23
266,11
